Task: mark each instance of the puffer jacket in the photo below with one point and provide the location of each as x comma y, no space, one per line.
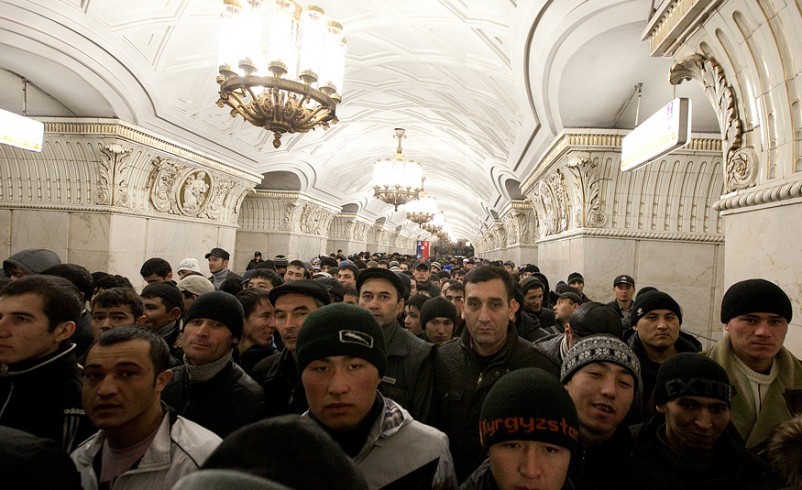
33,260
180,447
462,382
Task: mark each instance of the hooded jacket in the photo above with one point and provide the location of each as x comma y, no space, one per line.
33,260
180,447
463,379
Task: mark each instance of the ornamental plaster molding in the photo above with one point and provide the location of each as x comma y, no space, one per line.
587,199
285,212
640,235
756,197
674,22
741,167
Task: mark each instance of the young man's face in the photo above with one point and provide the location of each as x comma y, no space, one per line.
291,311
529,464
206,341
439,330
623,292
412,319
533,300
694,423
260,325
603,393
403,266
217,264
154,278
294,273
107,317
757,337
24,329
346,277
488,312
340,390
564,309
422,274
120,385
658,329
380,298
156,313
578,285
457,298
260,283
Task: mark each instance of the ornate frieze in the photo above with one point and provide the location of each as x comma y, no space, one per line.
285,212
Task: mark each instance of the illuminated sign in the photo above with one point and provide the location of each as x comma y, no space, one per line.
665,131
22,132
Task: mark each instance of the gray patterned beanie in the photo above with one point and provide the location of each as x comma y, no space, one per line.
600,348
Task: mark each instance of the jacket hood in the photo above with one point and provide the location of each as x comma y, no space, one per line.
33,260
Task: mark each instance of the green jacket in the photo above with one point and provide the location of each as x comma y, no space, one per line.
783,400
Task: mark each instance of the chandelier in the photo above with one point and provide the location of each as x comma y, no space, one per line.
421,210
397,181
436,225
281,66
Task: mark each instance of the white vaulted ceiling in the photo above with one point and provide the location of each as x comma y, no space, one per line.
481,87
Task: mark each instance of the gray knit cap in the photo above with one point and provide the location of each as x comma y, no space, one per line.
600,348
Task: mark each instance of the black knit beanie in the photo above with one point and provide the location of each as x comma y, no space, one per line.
654,300
437,307
755,296
341,329
691,374
531,405
219,306
594,318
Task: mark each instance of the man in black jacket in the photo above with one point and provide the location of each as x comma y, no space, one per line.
210,389
40,386
466,368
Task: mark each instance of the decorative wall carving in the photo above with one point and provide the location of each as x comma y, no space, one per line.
285,212
588,200
741,163
113,173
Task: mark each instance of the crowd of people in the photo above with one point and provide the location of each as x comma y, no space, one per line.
385,371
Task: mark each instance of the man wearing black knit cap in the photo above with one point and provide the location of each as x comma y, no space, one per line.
530,430
656,319
686,442
210,389
409,379
766,376
342,358
437,317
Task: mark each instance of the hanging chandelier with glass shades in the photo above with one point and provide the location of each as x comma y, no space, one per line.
281,66
421,210
435,226
397,180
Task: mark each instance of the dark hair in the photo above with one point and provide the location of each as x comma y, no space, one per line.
120,297
61,301
170,295
112,281
250,299
269,274
351,267
232,285
455,285
266,264
76,274
297,263
349,291
457,271
157,266
417,301
384,262
159,351
489,273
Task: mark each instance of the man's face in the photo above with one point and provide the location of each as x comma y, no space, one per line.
291,310
217,264
578,285
603,394
508,268
564,309
488,312
154,278
468,266
403,266
658,329
694,423
413,288
156,314
15,272
260,283
346,277
529,464
105,318
439,330
260,325
24,331
206,341
121,386
294,273
457,298
533,300
422,273
459,276
380,298
623,292
340,390
351,299
412,319
757,337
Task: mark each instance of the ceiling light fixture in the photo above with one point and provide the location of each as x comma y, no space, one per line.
397,180
281,66
421,210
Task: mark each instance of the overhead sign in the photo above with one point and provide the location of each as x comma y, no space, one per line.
22,132
665,131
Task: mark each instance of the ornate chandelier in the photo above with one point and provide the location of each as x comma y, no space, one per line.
281,66
397,181
421,210
436,225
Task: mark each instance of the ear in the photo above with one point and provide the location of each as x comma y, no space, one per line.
63,331
141,320
169,276
569,337
726,326
162,379
175,313
514,306
661,408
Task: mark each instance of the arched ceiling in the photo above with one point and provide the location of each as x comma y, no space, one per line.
482,88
